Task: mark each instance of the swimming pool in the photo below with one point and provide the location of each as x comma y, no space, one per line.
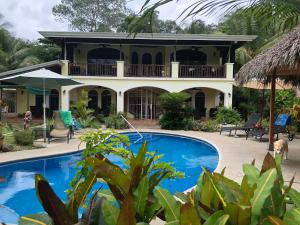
17,194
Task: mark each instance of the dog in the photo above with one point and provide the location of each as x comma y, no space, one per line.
281,147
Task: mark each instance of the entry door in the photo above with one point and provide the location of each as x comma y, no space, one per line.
200,110
106,102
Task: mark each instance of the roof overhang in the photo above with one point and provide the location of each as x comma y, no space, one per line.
147,38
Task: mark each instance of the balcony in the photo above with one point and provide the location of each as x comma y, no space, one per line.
140,70
93,69
201,71
175,70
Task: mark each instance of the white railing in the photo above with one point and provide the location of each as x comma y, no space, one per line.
130,125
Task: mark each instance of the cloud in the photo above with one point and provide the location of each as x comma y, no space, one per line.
30,16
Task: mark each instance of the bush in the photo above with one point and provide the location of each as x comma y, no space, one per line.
24,137
209,126
228,116
177,112
115,122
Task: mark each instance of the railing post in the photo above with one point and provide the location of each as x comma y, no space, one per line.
64,67
175,69
120,69
229,70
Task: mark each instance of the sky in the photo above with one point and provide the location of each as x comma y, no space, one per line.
27,17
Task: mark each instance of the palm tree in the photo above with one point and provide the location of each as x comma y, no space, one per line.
284,12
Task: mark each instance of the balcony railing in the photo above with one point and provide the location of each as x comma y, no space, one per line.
93,69
143,70
201,71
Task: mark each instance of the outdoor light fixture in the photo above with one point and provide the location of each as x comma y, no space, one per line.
64,92
229,95
120,93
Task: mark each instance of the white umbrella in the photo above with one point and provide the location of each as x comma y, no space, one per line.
42,78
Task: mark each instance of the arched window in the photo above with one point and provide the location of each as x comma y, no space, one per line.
159,59
106,102
93,102
147,59
200,110
134,58
54,100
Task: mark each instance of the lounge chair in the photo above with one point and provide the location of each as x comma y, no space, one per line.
281,126
249,124
59,130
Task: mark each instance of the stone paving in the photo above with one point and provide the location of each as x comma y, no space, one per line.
233,151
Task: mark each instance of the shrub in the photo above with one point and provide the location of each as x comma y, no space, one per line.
228,116
80,108
177,112
115,121
86,122
209,126
24,137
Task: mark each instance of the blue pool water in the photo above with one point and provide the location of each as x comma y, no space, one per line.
17,194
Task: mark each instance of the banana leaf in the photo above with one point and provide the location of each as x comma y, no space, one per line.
239,215
141,196
213,218
188,215
170,205
292,217
110,213
276,221
35,219
295,196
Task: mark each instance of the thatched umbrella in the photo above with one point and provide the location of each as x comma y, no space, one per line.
280,61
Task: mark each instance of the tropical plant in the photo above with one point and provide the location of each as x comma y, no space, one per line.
283,12
131,197
209,126
228,116
115,121
177,111
261,198
24,137
81,111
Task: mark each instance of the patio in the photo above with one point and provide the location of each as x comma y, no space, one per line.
234,152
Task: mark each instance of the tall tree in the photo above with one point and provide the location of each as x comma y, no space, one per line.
91,15
199,27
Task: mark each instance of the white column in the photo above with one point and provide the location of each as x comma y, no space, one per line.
64,67
120,102
228,98
120,68
229,70
64,99
175,69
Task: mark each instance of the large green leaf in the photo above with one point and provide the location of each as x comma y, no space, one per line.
55,208
127,212
35,219
276,221
213,218
79,194
278,159
252,173
170,205
106,194
112,174
110,213
222,220
292,217
295,196
141,195
264,185
188,215
239,215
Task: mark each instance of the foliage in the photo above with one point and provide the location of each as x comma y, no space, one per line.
177,111
209,126
81,111
115,121
24,137
261,198
285,99
228,116
92,16
284,13
131,197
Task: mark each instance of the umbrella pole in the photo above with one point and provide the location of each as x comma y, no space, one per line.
272,109
44,111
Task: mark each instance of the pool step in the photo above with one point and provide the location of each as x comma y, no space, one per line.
136,138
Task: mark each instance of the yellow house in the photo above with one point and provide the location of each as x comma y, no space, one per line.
130,72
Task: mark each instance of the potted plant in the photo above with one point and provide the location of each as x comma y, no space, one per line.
1,136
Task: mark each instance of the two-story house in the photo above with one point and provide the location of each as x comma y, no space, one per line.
130,72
